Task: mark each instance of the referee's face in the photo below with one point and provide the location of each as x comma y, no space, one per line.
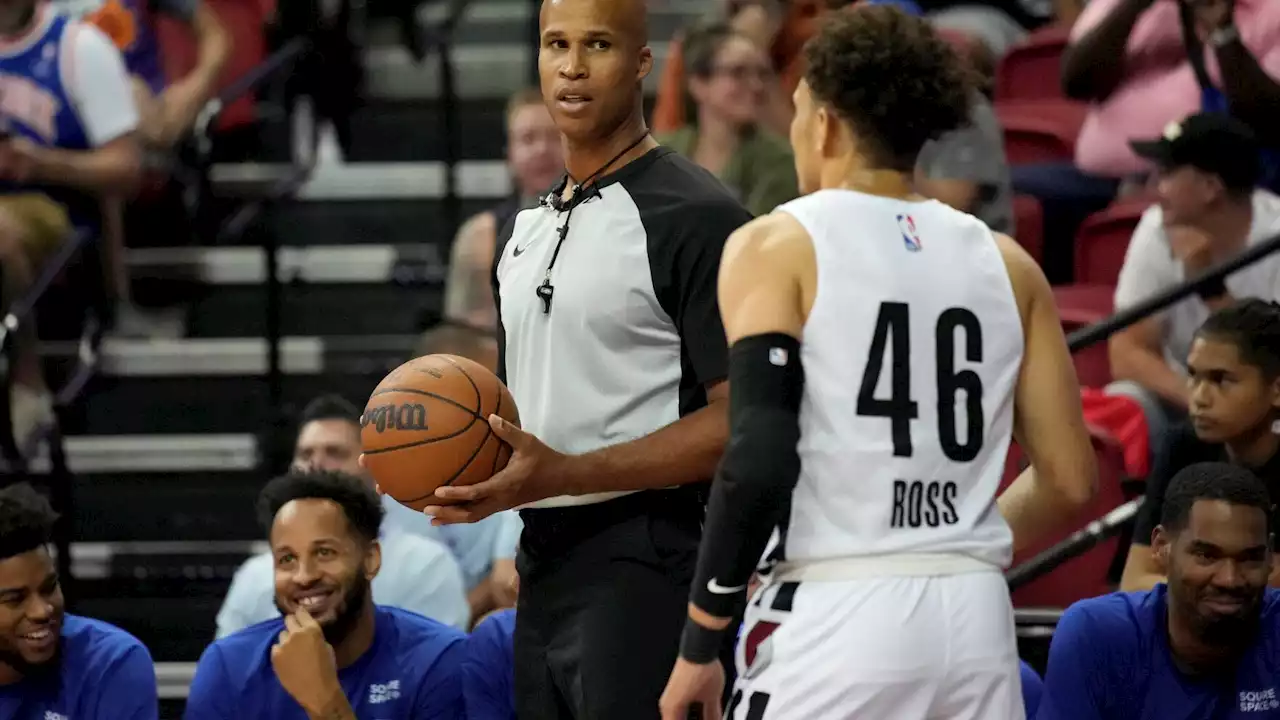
591,60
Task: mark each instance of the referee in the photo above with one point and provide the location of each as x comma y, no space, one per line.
613,348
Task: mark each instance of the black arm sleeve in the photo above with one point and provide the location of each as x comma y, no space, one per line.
1180,449
504,236
759,470
687,242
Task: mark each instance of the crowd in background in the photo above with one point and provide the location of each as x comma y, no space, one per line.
1176,101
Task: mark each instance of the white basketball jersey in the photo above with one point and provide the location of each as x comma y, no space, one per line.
911,354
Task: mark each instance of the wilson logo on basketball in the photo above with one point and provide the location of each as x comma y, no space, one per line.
408,416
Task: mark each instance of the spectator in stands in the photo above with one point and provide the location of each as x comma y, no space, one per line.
728,82
967,168
1234,369
536,162
997,24
1161,79
55,665
335,653
1208,211
1202,646
488,673
166,113
68,139
329,439
780,27
423,575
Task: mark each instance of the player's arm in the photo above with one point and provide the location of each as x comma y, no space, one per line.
127,687
104,101
182,101
762,301
1048,419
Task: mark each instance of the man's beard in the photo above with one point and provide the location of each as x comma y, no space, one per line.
350,607
1228,630
30,670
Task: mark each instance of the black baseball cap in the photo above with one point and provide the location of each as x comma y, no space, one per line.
1213,142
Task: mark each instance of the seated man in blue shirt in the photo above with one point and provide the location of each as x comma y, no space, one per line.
54,665
334,655
421,573
1207,644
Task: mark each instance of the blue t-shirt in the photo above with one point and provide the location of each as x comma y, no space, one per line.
104,674
489,669
1110,660
412,670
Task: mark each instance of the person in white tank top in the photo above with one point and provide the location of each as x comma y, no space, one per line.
884,351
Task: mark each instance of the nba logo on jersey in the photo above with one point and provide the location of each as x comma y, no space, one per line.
909,237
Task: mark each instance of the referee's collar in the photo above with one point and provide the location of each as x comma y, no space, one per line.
622,174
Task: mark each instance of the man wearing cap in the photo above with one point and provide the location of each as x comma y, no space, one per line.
1208,210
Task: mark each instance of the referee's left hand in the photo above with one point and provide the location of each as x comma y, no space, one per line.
533,473
693,685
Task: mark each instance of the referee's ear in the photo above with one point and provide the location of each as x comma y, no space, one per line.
646,63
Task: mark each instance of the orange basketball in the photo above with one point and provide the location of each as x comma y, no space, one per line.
427,425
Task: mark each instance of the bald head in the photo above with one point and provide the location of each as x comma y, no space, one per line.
625,18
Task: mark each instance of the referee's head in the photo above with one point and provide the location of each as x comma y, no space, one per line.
592,57
879,84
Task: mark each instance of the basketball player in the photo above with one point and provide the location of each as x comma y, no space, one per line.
883,349
613,349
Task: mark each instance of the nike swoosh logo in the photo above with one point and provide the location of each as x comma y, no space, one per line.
518,251
715,587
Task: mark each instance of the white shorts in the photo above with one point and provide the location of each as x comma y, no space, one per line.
893,648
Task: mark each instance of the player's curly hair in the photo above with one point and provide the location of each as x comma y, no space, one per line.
1211,481
26,520
1253,327
894,79
354,495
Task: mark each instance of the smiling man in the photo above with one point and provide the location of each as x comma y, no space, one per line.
1207,645
334,655
54,665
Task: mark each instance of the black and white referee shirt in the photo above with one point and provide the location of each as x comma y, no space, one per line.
633,334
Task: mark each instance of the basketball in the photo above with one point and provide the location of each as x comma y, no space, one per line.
427,425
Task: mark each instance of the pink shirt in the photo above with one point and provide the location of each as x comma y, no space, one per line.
1159,85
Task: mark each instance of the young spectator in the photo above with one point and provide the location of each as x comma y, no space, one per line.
781,27
166,113
1208,211
335,653
728,78
69,121
55,665
1234,368
1202,646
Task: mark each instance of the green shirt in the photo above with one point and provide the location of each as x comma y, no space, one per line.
762,173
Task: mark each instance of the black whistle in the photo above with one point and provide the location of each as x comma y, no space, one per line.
544,292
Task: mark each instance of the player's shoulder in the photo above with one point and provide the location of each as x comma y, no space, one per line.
497,626
771,238
99,640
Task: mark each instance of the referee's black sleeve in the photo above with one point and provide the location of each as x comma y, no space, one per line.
685,259
504,236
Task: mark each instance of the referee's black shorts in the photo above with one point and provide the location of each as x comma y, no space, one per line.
604,592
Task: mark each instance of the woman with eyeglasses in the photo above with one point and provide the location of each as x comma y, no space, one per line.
729,79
